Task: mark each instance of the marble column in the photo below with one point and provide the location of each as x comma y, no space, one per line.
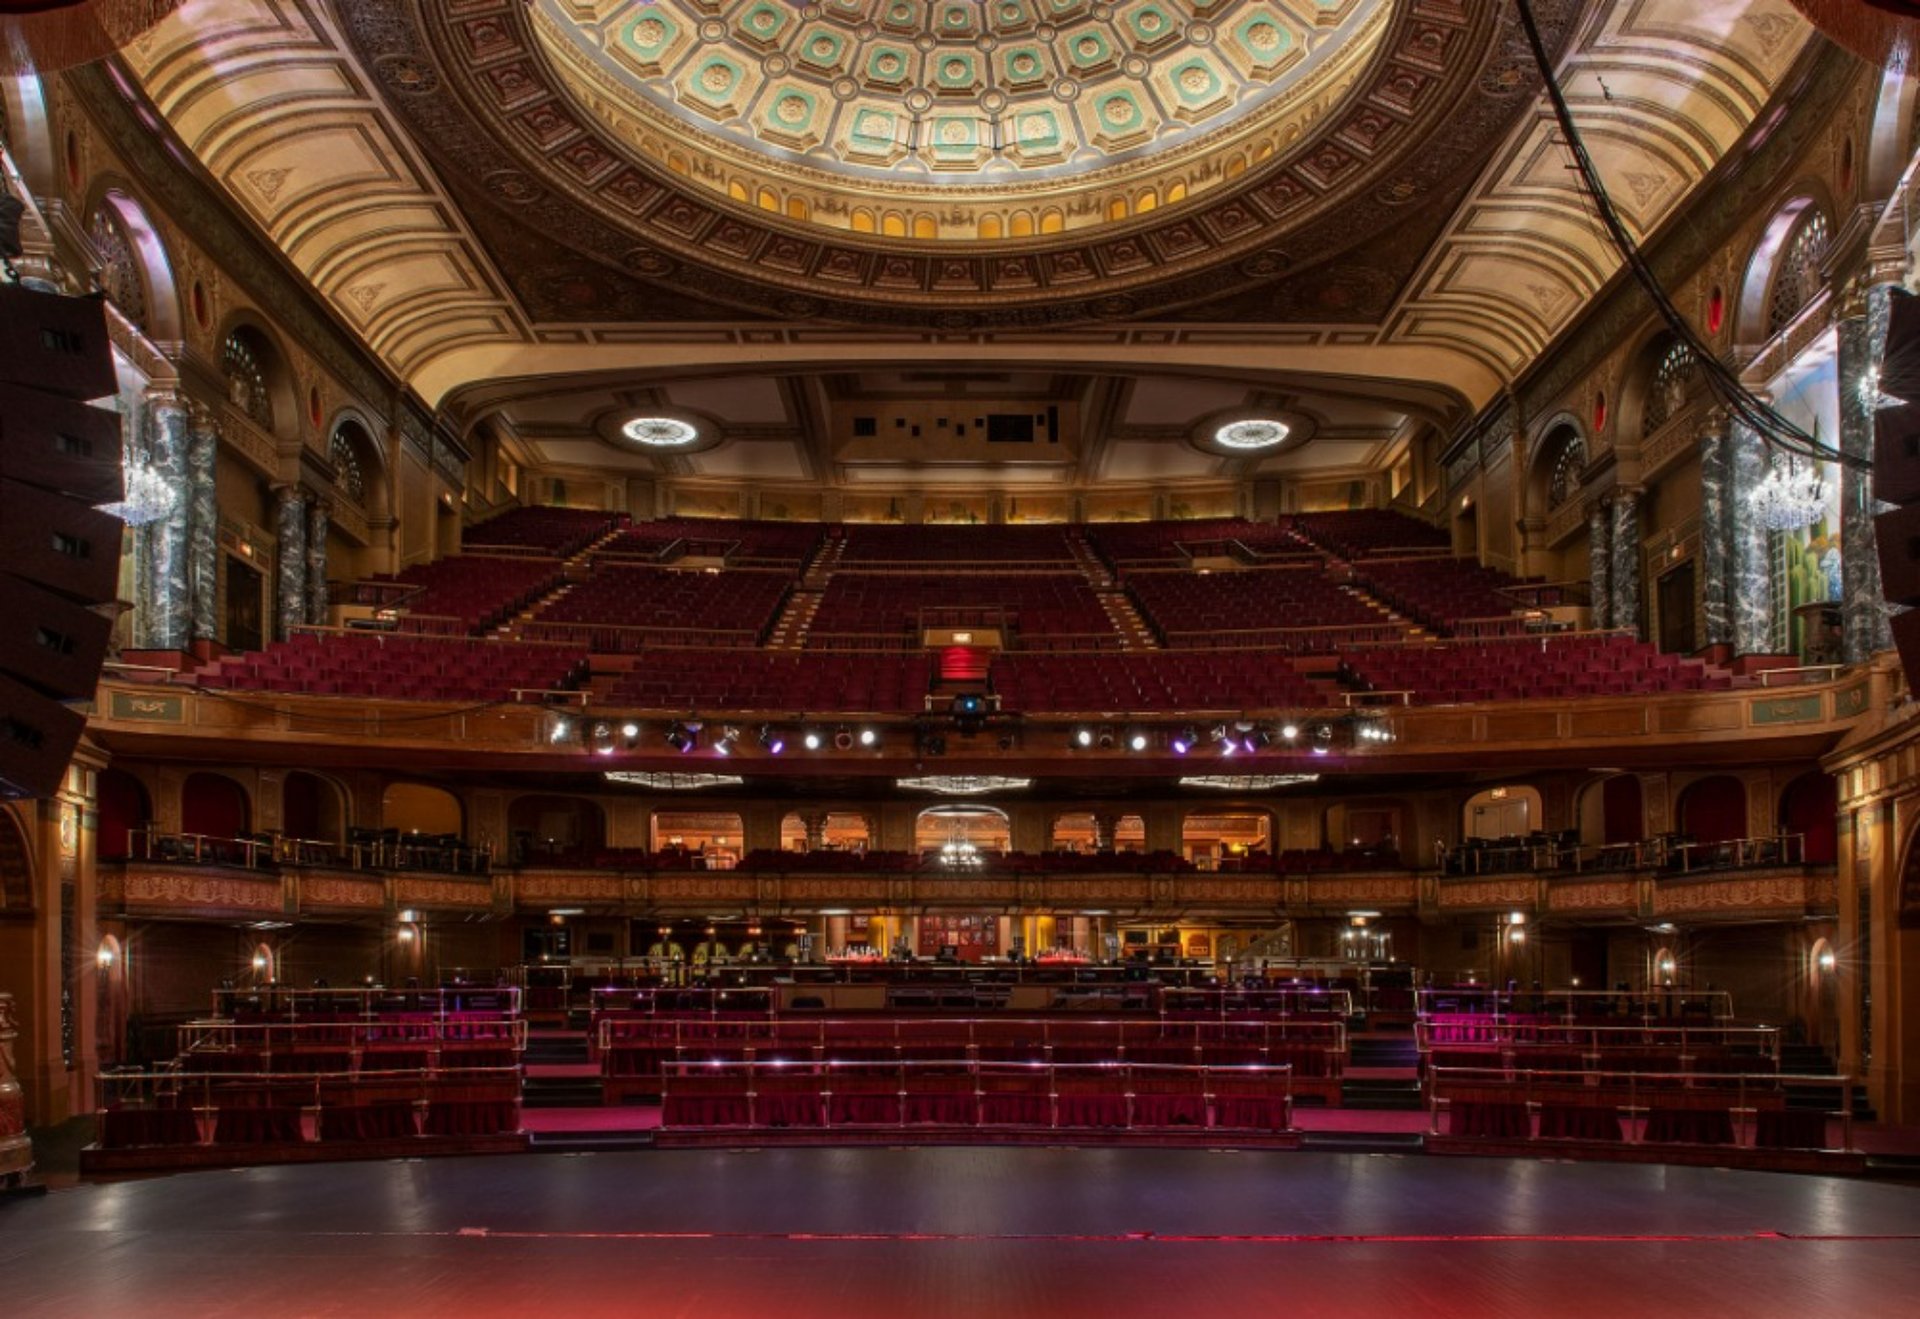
1600,563
1749,583
815,824
203,529
167,572
319,512
1715,608
1625,569
1863,340
290,562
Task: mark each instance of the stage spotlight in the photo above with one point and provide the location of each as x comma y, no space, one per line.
1105,740
771,740
1258,740
1184,740
843,738
728,737
680,737
810,740
969,712
1290,731
559,729
869,738
1137,741
1083,737
629,730
1322,739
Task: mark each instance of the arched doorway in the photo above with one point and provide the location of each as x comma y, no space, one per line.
312,809
415,808
1810,808
1822,1004
555,829
124,810
952,829
214,806
1213,840
1078,831
839,831
697,840
1362,826
110,1001
1713,810
1506,811
1612,811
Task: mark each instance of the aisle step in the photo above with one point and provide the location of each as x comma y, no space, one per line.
560,1092
1363,1142
1381,1096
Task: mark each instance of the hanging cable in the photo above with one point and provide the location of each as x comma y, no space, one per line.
1722,381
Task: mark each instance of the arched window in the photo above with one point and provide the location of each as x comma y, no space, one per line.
1797,281
247,379
1667,391
1565,481
346,465
120,273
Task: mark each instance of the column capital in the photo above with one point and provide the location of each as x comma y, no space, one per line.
164,395
286,492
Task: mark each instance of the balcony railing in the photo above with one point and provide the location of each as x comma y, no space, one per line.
366,850
1668,854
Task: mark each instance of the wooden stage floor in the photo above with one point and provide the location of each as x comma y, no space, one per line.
929,1232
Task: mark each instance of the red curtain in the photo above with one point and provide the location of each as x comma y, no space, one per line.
1714,810
214,806
1620,808
123,807
1811,807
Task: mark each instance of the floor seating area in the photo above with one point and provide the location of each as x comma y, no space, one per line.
1528,668
542,529
893,604
1446,594
1302,605
624,607
976,1096
1369,532
777,681
469,593
946,546
642,1053
1122,544
1150,680
737,540
397,666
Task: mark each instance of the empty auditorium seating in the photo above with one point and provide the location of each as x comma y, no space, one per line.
552,532
665,539
471,592
777,681
622,607
1529,668
1148,680
893,604
397,666
1173,543
1225,608
1446,594
1363,532
955,546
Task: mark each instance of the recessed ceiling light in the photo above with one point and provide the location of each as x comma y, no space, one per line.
660,432
1251,433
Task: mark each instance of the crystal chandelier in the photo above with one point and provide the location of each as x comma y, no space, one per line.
960,854
149,497
1791,497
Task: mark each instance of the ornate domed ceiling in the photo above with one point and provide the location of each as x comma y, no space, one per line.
959,119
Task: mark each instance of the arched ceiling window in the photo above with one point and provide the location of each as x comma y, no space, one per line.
1797,281
119,266
1565,481
1667,391
247,379
347,474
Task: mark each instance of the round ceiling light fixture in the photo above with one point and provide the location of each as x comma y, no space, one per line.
1252,433
660,432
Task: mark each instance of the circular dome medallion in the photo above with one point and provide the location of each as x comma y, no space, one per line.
660,432
1252,433
1072,109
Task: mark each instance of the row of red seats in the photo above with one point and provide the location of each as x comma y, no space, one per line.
954,545
397,666
1122,543
481,591
1362,532
557,532
1442,592
740,538
1209,606
1531,668
742,601
777,680
1150,680
1037,604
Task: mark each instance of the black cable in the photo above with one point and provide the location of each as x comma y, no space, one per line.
1724,383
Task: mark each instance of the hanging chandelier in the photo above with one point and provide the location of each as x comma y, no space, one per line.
960,854
1790,497
149,496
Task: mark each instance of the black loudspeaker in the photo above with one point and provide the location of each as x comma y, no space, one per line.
59,556
1896,454
1898,534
